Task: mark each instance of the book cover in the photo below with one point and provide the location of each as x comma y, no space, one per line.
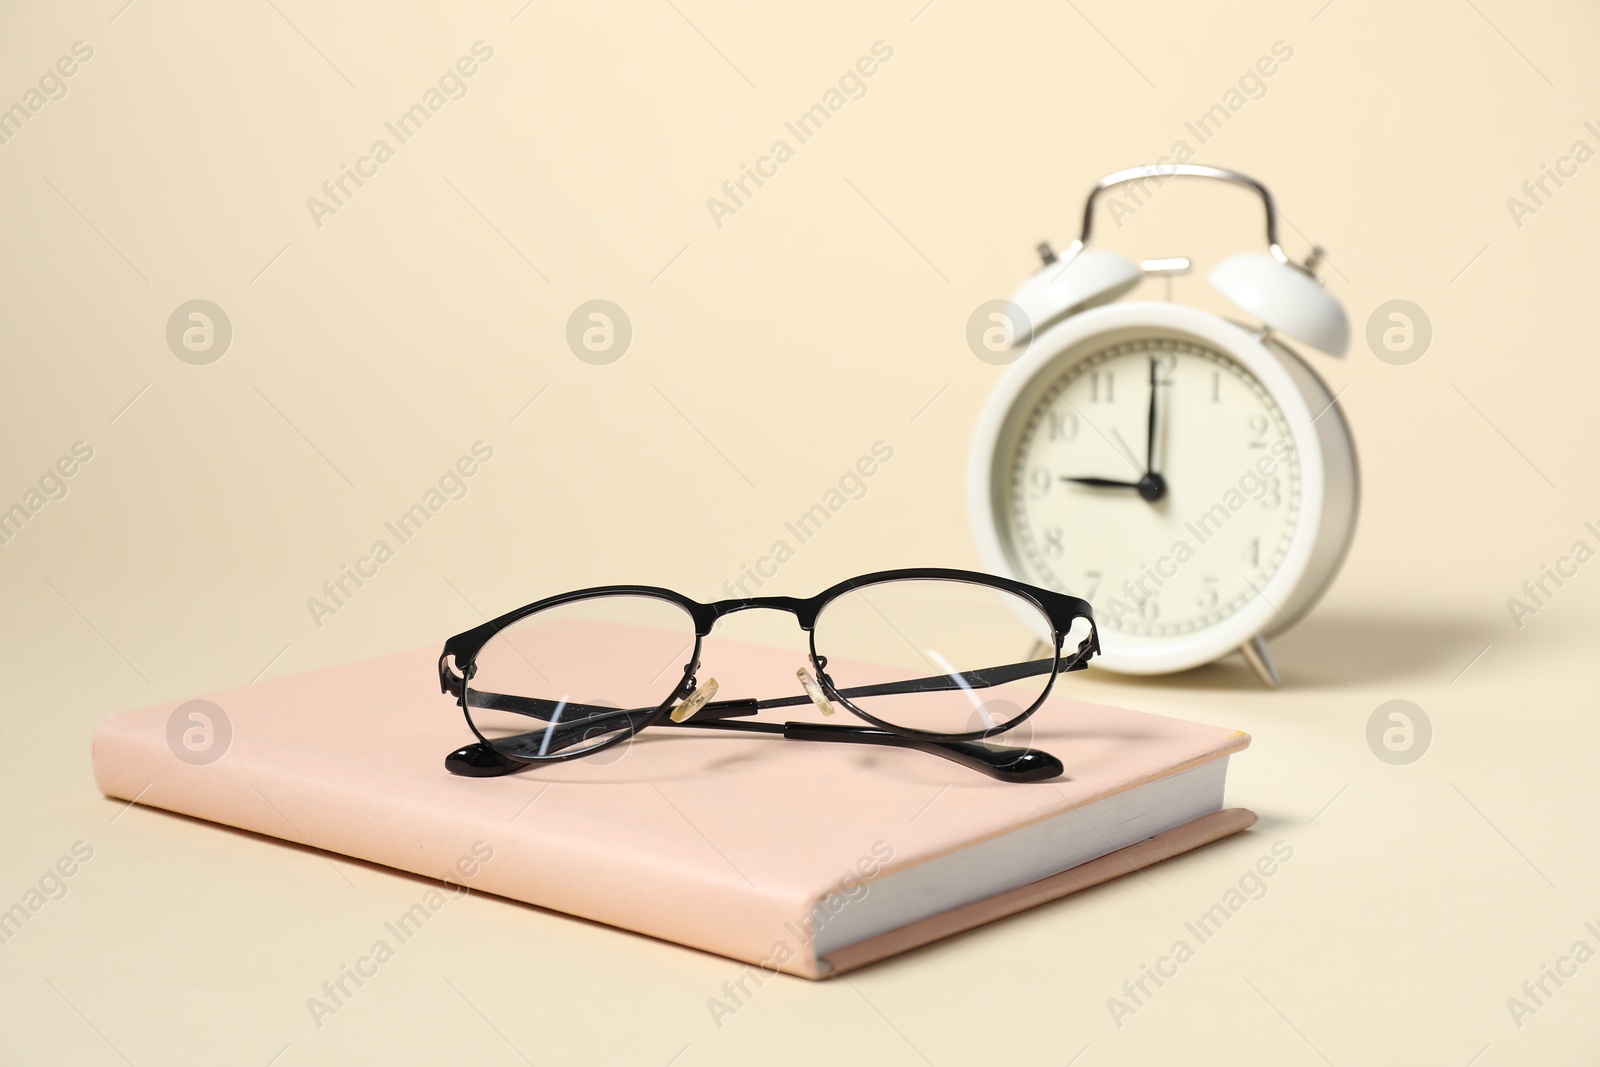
742,845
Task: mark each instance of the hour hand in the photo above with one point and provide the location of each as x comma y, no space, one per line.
1100,483
1151,487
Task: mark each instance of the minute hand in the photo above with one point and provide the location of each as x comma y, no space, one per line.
1150,429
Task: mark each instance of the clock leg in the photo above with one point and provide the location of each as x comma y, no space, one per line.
1254,652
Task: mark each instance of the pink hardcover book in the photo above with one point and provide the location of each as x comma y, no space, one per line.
801,857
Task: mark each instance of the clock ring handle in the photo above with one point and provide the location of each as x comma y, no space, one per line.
1190,170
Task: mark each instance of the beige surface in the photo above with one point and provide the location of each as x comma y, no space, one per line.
820,318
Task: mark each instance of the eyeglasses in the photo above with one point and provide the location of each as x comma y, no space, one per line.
936,660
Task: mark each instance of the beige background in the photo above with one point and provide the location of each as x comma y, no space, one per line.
768,354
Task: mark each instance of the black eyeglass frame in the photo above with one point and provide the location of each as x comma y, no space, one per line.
1060,609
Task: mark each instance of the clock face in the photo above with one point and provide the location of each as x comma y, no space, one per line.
1155,477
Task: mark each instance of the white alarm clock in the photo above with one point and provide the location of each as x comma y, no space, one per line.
1191,476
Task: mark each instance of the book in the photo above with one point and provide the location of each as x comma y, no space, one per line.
793,856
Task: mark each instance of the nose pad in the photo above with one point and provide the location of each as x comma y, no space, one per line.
814,691
696,700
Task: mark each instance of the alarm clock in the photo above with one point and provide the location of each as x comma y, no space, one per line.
1189,475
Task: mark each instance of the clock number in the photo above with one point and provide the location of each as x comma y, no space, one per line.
1039,481
1102,386
1208,593
1258,427
1052,541
1274,494
1252,555
1063,426
1093,586
1216,387
1166,365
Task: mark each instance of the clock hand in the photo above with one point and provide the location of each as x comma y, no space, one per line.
1122,446
1100,483
1150,430
1152,486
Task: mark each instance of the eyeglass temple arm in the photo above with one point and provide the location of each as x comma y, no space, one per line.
997,761
1004,762
982,678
